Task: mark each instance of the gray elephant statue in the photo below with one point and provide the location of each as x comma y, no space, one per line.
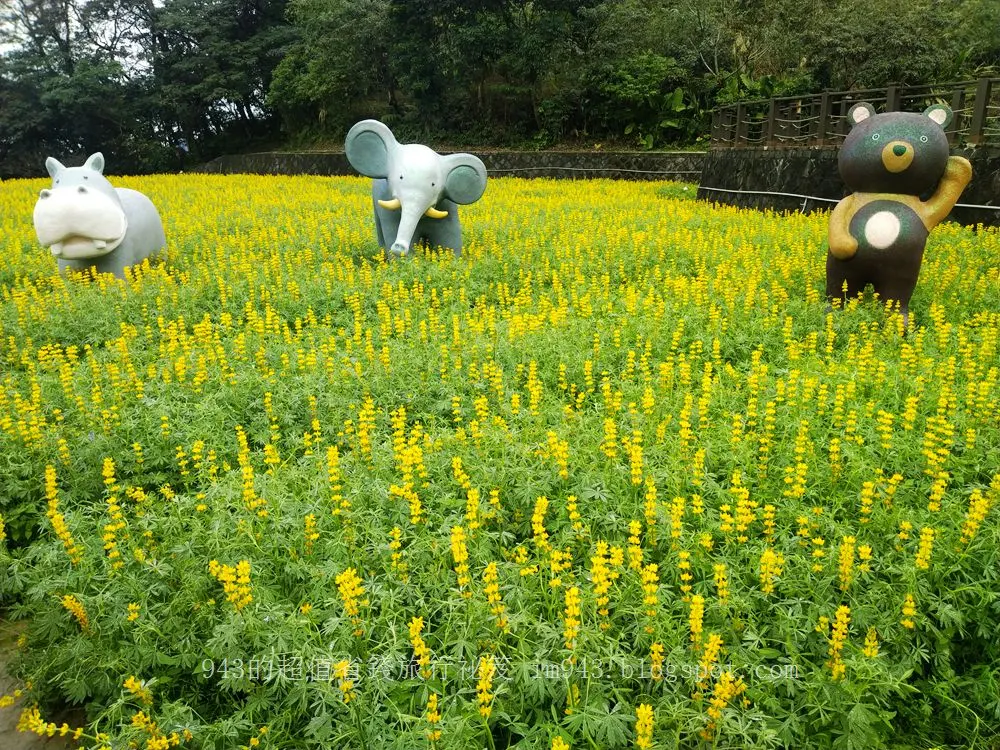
87,223
416,191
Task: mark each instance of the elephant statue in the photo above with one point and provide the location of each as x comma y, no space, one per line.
416,191
87,223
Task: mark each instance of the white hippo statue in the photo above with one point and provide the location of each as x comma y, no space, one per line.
86,222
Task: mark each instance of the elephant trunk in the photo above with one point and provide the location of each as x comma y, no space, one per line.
408,220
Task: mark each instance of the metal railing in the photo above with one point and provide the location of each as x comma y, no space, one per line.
821,119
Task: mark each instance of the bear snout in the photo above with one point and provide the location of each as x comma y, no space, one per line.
897,156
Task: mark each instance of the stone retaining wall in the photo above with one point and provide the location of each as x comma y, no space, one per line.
679,165
813,172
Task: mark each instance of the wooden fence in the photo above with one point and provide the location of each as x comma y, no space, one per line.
821,119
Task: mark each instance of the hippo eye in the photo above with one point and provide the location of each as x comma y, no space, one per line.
85,177
875,136
401,177
923,139
432,184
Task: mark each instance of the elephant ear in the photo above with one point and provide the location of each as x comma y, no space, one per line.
96,162
465,180
368,146
53,167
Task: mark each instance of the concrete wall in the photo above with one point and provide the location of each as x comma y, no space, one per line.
814,172
680,165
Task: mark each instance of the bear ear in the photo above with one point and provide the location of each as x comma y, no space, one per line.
860,112
941,114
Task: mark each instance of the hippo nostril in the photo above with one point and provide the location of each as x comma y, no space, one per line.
81,189
899,150
45,194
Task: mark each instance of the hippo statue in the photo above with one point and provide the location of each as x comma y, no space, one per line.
87,223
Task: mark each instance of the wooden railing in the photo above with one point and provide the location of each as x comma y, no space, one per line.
821,119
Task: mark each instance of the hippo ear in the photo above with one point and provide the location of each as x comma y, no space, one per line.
940,113
369,145
860,112
54,167
96,162
465,177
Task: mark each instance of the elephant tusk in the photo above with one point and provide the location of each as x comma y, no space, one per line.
393,205
434,213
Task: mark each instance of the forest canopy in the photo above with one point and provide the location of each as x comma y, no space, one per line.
161,84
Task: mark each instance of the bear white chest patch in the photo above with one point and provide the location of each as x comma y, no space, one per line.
882,229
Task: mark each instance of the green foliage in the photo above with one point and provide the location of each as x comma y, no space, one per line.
145,81
150,85
702,329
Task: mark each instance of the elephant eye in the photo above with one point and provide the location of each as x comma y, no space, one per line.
432,184
875,137
923,139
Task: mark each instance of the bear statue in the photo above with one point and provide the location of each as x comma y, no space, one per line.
87,223
877,233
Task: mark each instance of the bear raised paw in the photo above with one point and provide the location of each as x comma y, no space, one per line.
878,233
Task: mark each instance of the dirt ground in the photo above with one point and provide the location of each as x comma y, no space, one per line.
10,738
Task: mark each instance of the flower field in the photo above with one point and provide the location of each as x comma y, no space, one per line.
615,478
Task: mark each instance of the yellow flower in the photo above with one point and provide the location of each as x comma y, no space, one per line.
571,617
420,650
845,562
396,547
487,670
56,518
341,672
841,621
923,559
635,545
541,536
726,688
720,573
460,555
650,585
656,661
696,618
492,591
871,643
979,506
139,690
310,533
600,576
644,726
433,717
75,608
909,611
771,565
235,582
351,593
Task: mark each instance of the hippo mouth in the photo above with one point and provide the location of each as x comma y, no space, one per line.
75,246
79,222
